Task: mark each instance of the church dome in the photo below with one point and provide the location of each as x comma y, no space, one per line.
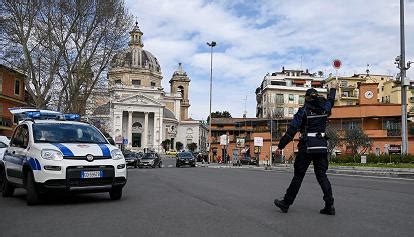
135,57
125,59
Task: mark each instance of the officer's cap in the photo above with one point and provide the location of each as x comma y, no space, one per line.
311,91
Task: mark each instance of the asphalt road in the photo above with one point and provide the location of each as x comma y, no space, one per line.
218,202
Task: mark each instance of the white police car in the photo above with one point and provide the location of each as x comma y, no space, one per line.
49,151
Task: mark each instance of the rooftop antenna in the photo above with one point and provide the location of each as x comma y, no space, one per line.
245,107
301,57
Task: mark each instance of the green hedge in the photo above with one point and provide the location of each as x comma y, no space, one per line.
372,158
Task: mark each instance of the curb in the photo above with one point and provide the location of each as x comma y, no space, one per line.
363,171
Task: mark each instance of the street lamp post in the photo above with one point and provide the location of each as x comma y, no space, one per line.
211,45
400,61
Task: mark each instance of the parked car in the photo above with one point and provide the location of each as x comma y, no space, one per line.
131,158
4,143
151,159
185,158
248,160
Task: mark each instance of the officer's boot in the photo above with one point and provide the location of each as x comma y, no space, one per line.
328,210
282,205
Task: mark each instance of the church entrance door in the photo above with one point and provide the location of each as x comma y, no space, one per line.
136,139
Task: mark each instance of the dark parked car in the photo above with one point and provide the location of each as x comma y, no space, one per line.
248,160
185,158
151,159
131,158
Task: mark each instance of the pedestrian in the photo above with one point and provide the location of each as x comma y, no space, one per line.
310,120
227,158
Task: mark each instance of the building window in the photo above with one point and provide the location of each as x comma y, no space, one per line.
118,81
291,111
291,97
351,124
344,83
279,99
1,108
278,112
17,87
382,88
301,99
152,83
136,82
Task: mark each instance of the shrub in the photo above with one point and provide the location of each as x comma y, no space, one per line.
372,158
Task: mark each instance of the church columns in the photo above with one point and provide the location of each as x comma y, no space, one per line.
129,133
156,132
145,140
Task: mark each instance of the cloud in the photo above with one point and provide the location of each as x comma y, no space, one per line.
256,37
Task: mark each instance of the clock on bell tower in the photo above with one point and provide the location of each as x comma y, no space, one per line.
368,93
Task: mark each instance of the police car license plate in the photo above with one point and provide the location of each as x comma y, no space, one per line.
91,174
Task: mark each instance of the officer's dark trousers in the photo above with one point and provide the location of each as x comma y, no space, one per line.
320,163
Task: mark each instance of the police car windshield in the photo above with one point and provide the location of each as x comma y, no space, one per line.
66,133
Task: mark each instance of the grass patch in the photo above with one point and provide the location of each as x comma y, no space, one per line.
377,165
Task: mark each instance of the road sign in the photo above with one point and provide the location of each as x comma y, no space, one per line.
223,140
240,142
118,139
337,64
258,141
125,141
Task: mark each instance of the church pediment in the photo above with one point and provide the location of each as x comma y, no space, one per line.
140,99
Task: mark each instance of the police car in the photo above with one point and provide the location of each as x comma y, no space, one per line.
50,151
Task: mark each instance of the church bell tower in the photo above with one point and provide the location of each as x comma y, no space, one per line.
180,83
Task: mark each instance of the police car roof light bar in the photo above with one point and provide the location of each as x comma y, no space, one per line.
72,117
33,113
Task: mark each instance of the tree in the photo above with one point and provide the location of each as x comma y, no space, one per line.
334,139
192,146
218,114
166,144
63,47
358,141
179,146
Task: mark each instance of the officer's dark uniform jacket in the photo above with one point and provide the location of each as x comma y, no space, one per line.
310,120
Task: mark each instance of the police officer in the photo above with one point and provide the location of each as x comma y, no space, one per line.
310,120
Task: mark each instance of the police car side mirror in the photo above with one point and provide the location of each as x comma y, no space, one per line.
111,141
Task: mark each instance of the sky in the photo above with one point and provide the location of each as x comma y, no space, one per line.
255,37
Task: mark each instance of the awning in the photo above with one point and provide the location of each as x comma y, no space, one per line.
316,83
299,81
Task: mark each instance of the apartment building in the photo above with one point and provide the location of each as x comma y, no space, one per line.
282,93
12,94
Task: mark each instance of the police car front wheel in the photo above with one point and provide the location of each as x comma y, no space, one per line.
115,193
33,196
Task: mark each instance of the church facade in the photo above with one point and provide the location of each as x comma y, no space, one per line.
139,113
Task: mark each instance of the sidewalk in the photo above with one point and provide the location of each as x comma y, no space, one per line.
351,170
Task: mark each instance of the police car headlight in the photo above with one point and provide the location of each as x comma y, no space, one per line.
117,154
52,155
